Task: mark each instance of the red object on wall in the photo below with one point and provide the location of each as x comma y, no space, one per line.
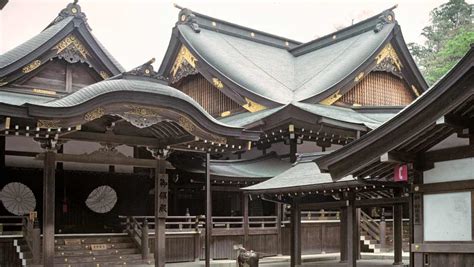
400,173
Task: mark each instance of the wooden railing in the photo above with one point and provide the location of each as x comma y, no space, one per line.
370,226
11,225
32,236
138,231
194,223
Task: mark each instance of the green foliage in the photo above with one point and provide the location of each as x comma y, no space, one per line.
448,37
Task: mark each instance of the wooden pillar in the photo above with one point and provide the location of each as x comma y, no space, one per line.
49,184
295,253
397,234
245,203
2,153
293,149
343,234
278,226
352,237
208,212
161,211
358,210
383,231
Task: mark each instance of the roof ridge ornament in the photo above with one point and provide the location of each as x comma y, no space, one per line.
71,10
146,70
387,17
187,17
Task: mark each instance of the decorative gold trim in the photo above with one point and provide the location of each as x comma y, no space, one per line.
7,123
43,91
48,123
389,51
94,114
359,77
72,40
253,106
184,55
2,81
142,111
187,124
332,99
217,83
415,90
104,75
225,113
32,66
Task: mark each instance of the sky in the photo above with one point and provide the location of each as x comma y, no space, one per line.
135,31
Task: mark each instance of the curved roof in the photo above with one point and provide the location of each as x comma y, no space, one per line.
69,20
273,70
303,174
266,166
414,125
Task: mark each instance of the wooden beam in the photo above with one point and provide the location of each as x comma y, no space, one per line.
324,205
109,160
451,153
377,202
454,122
445,247
208,212
125,139
398,157
49,173
465,185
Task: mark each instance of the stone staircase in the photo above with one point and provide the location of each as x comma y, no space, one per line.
87,251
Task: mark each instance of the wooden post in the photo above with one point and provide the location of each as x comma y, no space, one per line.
278,226
343,234
161,211
295,234
49,183
197,241
245,202
36,241
352,238
383,230
145,248
2,153
397,235
358,232
208,212
293,149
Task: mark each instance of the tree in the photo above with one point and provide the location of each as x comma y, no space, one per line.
448,38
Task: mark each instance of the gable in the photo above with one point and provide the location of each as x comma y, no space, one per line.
378,88
61,76
208,96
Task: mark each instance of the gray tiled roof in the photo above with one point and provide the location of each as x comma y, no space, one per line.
301,174
34,43
370,120
263,167
126,85
19,99
275,73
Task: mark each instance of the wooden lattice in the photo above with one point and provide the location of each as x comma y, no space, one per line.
379,89
207,95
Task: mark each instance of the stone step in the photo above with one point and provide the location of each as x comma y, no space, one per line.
93,260
68,253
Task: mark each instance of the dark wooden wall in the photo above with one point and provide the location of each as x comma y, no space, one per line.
379,89
8,255
61,76
207,95
315,238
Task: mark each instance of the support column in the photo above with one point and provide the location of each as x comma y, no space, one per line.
49,184
295,253
383,231
343,235
352,237
208,212
397,234
245,203
161,211
278,226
